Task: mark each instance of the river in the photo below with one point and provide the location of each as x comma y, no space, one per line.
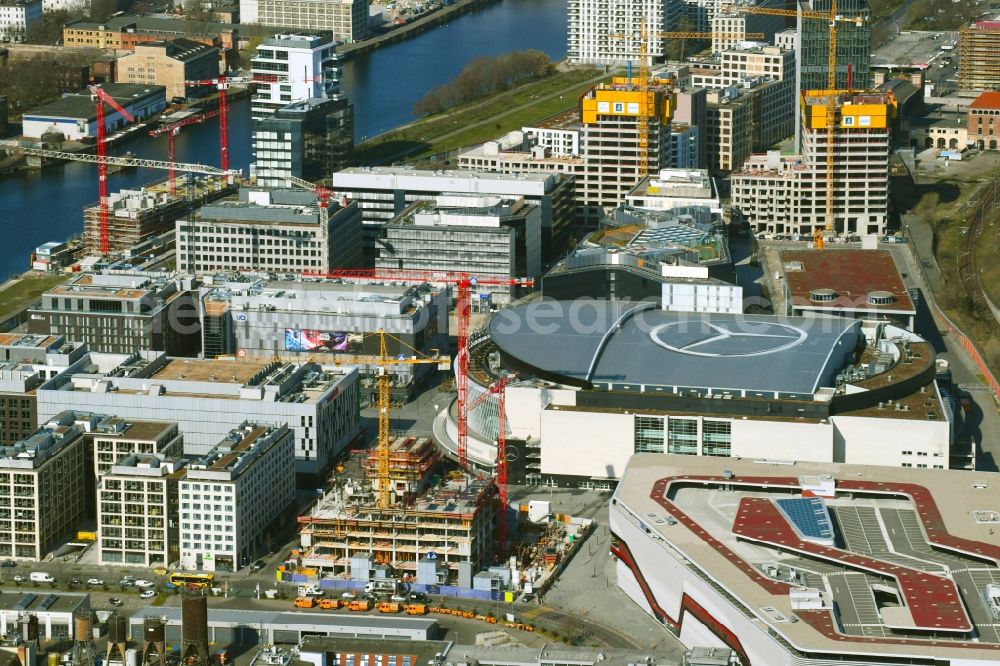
383,85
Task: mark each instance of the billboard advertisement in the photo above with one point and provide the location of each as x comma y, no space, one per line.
311,340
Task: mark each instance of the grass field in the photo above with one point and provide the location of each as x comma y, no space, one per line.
942,203
477,121
17,295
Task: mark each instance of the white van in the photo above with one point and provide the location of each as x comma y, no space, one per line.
41,577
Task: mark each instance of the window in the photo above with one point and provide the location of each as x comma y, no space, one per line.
716,438
682,436
648,434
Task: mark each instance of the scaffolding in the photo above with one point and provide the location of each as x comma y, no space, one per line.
979,56
136,215
454,520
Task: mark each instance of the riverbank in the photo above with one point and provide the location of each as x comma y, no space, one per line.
414,28
479,121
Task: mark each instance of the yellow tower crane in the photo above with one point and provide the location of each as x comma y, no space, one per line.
385,363
648,98
831,87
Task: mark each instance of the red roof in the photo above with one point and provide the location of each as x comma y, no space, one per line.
932,600
987,100
852,274
988,25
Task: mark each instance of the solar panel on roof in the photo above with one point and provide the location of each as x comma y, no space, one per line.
809,515
48,601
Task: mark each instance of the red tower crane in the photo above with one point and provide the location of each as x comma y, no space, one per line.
102,98
498,388
171,131
463,283
222,85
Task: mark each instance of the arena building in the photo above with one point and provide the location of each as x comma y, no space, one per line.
812,564
597,381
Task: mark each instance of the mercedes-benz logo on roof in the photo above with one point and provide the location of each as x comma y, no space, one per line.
725,338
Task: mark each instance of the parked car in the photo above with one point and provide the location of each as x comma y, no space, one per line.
95,581
398,598
349,595
115,601
143,584
18,578
8,563
147,594
74,581
42,577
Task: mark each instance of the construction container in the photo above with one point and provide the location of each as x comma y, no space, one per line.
360,605
304,602
388,607
416,609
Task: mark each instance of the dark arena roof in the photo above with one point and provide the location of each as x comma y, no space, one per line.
620,345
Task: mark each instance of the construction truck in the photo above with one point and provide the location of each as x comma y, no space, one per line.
304,602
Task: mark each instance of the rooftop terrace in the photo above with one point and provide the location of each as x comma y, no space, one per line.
914,533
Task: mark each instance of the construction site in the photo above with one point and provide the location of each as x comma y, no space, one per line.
446,519
136,215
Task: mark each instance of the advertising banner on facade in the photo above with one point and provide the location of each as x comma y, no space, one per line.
311,340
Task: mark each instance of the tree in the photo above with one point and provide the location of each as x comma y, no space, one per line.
199,10
101,10
485,76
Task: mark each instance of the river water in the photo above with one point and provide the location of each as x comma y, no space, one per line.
383,85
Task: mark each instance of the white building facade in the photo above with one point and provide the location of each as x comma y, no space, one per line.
16,16
230,497
301,66
608,33
137,512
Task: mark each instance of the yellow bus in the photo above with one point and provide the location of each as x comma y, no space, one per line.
199,580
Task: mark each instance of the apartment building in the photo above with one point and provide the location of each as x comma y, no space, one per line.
600,32
207,398
111,439
231,496
609,127
137,511
170,64
302,67
346,19
984,121
979,56
16,16
787,194
282,231
41,490
121,313
730,128
486,236
689,112
685,146
26,361
293,319
309,139
761,76
384,192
